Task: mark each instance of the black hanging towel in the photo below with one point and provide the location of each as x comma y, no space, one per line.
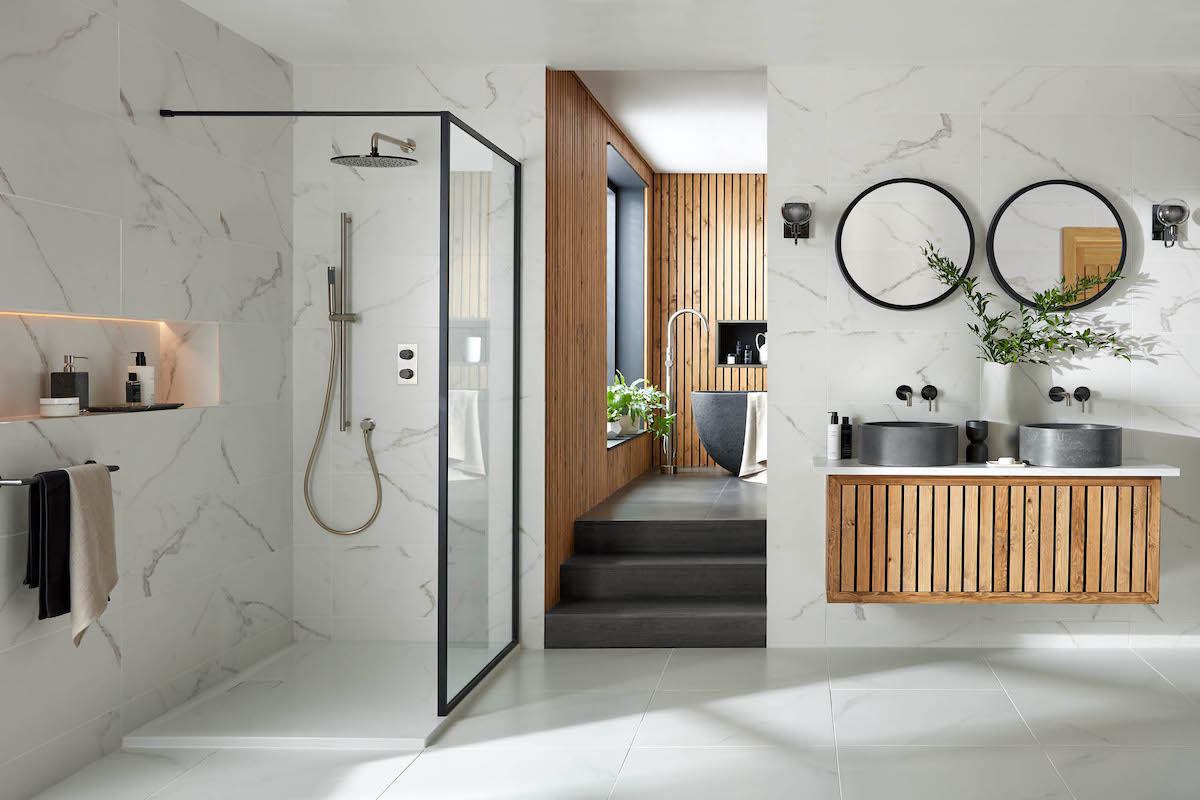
48,566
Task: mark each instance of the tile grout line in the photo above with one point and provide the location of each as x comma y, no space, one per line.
392,782
837,751
1164,677
1028,727
178,777
633,738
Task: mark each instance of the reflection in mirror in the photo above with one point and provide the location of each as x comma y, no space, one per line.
881,234
1053,234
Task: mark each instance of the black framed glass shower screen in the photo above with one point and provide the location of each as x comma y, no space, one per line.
480,368
479,388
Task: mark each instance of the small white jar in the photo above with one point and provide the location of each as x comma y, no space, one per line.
60,406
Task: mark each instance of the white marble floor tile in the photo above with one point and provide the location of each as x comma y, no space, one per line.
555,720
1108,773
129,776
979,719
762,773
948,773
1180,667
733,668
943,669
584,670
1087,716
768,717
289,775
1072,669
491,774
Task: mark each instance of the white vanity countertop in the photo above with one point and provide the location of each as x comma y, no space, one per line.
1132,468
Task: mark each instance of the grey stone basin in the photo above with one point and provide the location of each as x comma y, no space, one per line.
1068,444
908,444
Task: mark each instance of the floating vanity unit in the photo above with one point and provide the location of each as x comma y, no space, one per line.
971,533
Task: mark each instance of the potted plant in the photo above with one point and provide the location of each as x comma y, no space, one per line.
1030,336
637,402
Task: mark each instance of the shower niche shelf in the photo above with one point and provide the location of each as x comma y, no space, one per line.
186,357
730,332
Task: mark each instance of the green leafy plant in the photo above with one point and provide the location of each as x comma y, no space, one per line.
639,400
1030,335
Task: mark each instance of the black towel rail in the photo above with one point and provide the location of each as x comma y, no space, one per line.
30,481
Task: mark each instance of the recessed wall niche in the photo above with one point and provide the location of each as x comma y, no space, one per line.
186,357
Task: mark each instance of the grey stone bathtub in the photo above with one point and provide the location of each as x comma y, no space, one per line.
721,424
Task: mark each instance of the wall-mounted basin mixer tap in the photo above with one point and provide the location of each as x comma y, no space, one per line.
1058,394
904,392
929,393
1083,394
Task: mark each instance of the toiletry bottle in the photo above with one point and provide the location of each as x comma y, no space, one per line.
847,434
145,376
833,438
70,383
133,390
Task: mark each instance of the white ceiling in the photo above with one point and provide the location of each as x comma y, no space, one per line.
696,121
718,34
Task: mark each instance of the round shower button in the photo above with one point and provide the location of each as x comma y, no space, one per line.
406,355
406,374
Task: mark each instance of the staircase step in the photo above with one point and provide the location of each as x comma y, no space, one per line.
665,576
747,536
625,623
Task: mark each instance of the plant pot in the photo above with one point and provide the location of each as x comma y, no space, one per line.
1008,395
627,426
614,430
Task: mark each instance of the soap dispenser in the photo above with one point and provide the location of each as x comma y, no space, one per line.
145,377
70,383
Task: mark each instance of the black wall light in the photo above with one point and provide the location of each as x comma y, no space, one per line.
1168,216
796,217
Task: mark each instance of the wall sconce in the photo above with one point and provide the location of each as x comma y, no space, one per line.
795,221
1167,217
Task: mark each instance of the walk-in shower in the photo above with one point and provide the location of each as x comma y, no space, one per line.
399,622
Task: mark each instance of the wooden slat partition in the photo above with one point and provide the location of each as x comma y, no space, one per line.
931,539
707,252
583,470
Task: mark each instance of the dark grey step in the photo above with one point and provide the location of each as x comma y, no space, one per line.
748,536
616,623
664,576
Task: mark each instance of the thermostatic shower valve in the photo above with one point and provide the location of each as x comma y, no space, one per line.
406,364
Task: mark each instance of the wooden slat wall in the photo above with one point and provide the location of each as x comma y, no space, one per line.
707,252
580,471
1003,540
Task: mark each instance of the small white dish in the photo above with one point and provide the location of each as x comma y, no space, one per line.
1006,463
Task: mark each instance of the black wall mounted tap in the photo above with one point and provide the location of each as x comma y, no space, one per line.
929,393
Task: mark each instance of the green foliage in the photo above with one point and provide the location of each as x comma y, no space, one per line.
640,400
1031,335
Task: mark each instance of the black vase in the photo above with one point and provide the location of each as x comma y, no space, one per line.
977,449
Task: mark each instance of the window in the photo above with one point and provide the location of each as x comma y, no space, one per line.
626,259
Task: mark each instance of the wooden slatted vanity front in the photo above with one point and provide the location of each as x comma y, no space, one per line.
974,538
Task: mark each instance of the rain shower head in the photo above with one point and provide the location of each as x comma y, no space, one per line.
374,159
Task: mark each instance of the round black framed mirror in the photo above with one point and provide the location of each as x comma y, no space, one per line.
880,236
1051,234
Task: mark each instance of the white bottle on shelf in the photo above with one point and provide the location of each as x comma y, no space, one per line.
833,438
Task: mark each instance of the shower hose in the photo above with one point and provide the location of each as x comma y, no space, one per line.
367,427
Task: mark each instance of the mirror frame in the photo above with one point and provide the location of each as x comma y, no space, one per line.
883,303
991,242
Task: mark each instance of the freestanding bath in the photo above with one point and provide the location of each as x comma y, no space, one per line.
720,419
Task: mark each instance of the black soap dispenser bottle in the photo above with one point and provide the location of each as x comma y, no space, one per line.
70,383
847,438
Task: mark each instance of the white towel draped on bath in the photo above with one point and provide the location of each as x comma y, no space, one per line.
93,550
464,440
754,451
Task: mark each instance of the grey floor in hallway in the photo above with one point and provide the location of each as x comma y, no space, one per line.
692,495
855,724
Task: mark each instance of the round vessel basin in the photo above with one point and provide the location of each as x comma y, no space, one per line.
1068,444
908,444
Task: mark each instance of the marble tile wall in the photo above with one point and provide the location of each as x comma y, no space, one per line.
382,584
981,132
108,209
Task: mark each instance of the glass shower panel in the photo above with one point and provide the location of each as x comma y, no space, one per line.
481,381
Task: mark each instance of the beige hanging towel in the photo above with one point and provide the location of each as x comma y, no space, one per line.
754,451
93,545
